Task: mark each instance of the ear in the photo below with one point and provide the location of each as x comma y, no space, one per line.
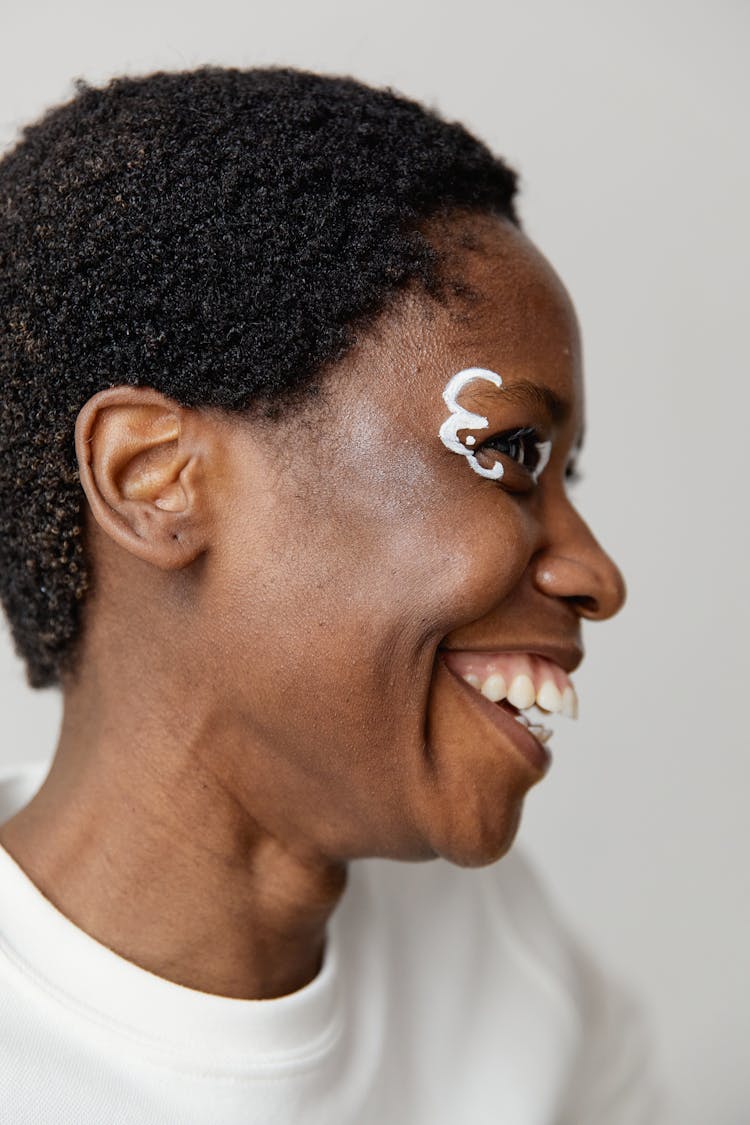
140,465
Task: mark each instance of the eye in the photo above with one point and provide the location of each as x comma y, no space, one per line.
524,446
573,474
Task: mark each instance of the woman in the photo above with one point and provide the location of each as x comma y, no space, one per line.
290,407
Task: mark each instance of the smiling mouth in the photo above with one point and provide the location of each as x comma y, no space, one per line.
513,683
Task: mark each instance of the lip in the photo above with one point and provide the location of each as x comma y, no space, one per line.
569,657
533,751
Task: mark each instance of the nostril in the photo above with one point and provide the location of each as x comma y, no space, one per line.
584,604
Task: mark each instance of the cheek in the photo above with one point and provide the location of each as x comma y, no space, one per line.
351,579
388,561
476,569
475,541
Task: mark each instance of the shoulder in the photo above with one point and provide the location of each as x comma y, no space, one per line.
506,908
616,1073
504,921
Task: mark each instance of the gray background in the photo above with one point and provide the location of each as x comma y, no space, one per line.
628,125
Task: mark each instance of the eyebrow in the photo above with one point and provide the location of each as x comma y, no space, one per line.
538,394
557,408
523,390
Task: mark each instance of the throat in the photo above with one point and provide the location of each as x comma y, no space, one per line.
244,922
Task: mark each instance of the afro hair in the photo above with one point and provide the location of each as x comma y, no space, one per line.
217,234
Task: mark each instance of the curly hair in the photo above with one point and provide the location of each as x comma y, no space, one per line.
217,234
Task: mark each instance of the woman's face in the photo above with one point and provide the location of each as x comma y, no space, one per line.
356,547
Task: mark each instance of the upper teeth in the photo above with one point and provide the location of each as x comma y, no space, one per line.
494,687
523,694
549,696
523,678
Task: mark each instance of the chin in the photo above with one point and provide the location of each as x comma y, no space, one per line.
471,776
474,832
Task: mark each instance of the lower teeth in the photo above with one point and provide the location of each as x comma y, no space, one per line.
543,734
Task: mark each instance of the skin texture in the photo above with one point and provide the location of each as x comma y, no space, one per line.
262,699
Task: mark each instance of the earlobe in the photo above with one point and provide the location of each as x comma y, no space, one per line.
140,474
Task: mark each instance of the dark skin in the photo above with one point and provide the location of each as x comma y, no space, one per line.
261,697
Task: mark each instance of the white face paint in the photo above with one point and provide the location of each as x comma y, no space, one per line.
543,448
461,419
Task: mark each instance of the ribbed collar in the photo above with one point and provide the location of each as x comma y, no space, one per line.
197,1028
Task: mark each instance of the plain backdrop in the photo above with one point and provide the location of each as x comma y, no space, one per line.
627,123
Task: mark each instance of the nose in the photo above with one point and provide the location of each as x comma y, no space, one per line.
573,566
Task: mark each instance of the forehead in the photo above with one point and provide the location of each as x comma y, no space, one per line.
514,313
508,311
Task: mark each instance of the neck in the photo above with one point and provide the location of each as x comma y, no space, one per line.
146,848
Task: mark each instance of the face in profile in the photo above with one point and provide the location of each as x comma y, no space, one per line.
366,580
394,575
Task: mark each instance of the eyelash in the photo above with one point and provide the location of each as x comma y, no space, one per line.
530,437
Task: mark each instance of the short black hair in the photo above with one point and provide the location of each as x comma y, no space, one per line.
217,234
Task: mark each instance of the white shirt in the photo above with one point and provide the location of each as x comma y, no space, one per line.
447,996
